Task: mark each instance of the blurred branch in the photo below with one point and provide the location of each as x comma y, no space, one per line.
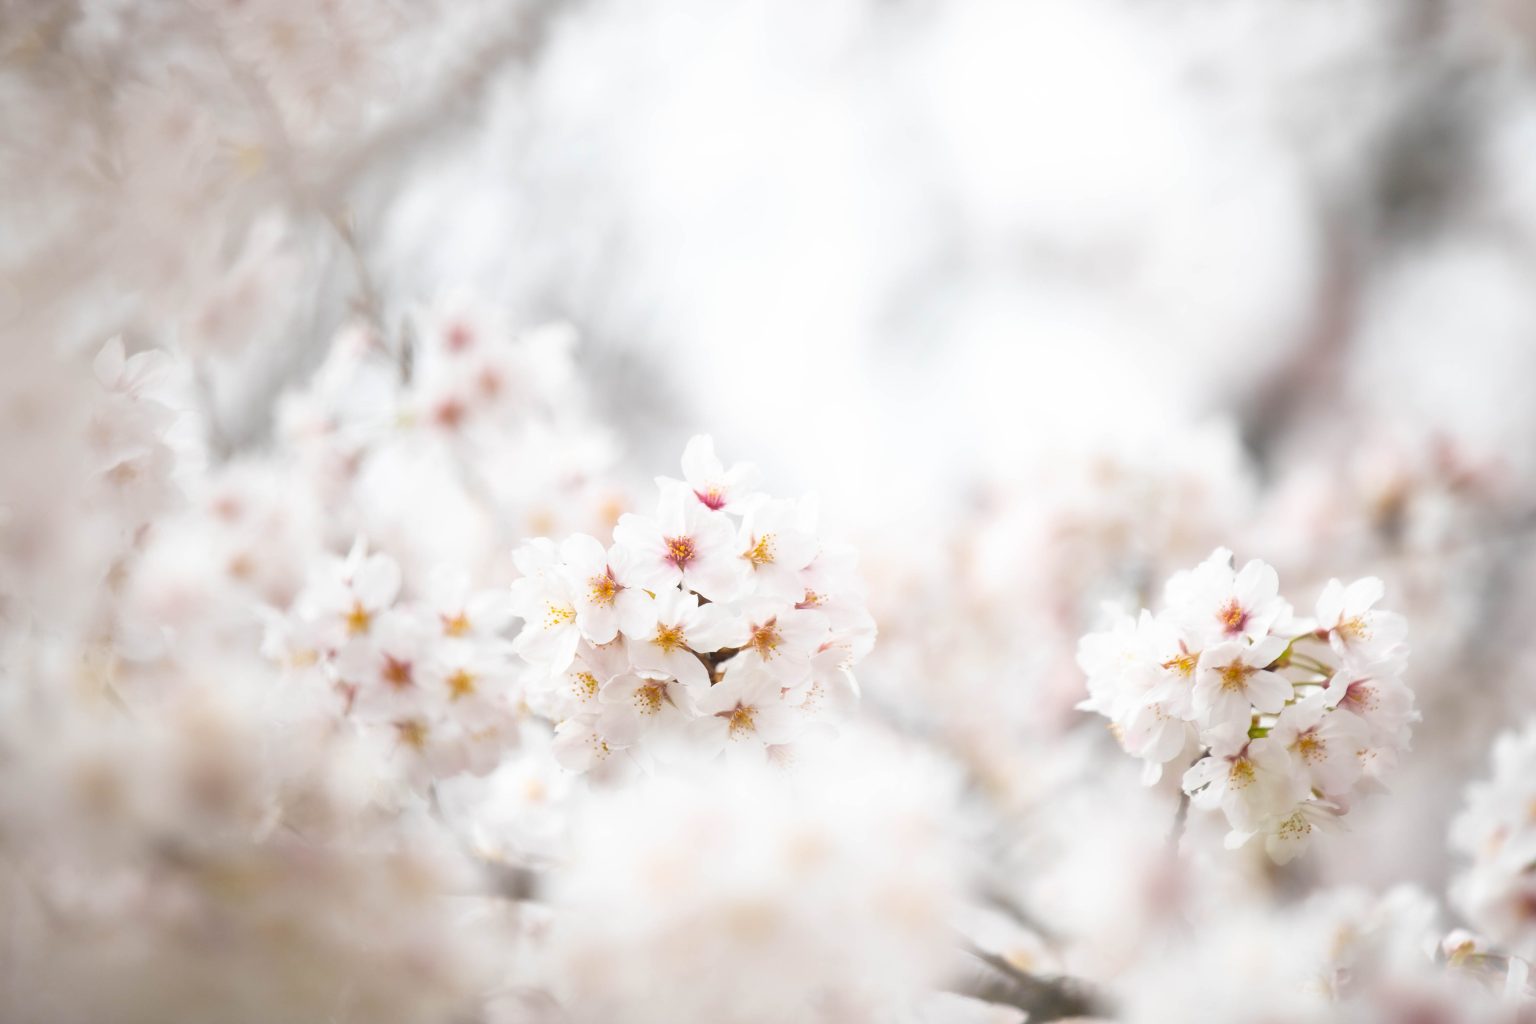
520,42
1042,998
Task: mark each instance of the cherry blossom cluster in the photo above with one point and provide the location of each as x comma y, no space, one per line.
428,680
1496,833
720,623
1285,719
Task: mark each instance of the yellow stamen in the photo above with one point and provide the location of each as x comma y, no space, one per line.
1309,748
765,639
460,684
412,732
1240,775
1235,676
680,551
669,638
648,698
359,619
603,589
1184,664
761,553
741,722
1354,629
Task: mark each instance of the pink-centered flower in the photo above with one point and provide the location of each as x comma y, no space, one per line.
711,484
1219,604
687,544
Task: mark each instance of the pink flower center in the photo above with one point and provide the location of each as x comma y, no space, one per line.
396,673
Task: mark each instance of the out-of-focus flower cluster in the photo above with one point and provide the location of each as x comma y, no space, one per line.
840,881
1339,957
720,623
1285,719
213,852
1496,835
430,680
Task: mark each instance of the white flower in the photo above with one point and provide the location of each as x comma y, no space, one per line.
1118,664
1250,780
777,544
1233,679
660,708
782,639
1174,650
386,668
668,633
1376,695
347,597
463,612
1217,604
577,688
588,740
544,600
1287,835
1325,744
744,712
831,585
712,485
687,544
1154,731
1353,626
469,680
603,585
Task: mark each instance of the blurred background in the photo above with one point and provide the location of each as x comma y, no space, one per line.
1045,300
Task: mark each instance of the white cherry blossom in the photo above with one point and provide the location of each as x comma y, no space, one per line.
687,544
712,485
667,634
603,584
1353,625
1233,679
